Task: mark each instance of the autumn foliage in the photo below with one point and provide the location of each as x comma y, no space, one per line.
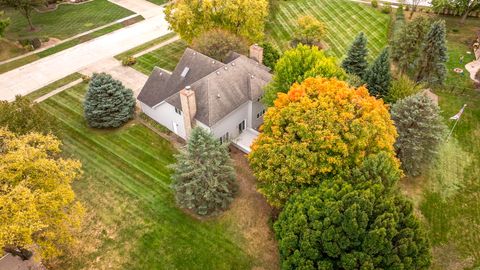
319,129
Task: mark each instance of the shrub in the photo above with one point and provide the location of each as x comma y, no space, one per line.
129,61
321,128
270,55
386,8
204,178
374,3
218,43
296,65
29,48
339,227
36,43
402,88
108,104
420,130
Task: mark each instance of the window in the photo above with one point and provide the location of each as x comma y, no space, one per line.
178,111
260,114
241,126
225,138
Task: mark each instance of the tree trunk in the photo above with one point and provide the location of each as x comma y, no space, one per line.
28,15
464,17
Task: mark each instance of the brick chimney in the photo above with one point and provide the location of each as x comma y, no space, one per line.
189,108
256,53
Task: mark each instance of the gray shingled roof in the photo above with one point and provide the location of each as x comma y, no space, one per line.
217,93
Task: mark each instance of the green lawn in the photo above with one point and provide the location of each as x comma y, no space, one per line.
66,21
449,192
158,2
145,46
8,49
344,20
132,220
166,57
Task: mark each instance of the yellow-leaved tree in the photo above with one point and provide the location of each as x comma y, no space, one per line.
322,128
38,210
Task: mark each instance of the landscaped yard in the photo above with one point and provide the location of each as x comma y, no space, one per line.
132,221
344,20
448,195
166,57
68,20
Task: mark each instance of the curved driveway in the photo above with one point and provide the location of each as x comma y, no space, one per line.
38,74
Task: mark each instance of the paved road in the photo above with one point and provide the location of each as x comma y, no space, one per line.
38,74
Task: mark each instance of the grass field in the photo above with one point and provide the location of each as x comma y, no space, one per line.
158,2
66,21
8,49
132,220
344,20
448,194
166,57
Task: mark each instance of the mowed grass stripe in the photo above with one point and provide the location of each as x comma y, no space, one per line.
165,57
160,236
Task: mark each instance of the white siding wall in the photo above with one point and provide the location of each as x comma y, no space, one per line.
165,115
230,122
257,107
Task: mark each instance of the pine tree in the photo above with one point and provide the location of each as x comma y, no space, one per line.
204,178
431,66
407,43
108,104
356,60
420,131
378,76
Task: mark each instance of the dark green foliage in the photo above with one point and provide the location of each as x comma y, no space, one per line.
4,23
420,129
270,55
407,43
296,65
204,178
22,117
337,226
431,67
219,43
378,77
356,60
108,104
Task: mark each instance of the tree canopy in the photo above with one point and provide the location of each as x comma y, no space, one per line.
38,207
108,104
4,23
320,128
310,31
22,116
191,18
204,178
270,55
218,43
378,76
296,65
420,130
25,7
337,226
464,7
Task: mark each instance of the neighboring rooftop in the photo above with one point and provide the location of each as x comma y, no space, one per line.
219,88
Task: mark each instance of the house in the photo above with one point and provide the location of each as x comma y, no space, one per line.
223,98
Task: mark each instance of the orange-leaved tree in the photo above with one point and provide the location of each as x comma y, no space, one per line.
320,129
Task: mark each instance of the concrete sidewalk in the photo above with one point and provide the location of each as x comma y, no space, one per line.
38,74
142,7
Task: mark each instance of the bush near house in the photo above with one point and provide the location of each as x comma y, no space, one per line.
108,104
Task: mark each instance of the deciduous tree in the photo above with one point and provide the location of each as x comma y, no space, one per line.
38,207
270,55
310,31
337,226
296,65
218,43
321,128
420,130
356,60
22,116
108,104
463,7
431,66
378,77
204,178
25,7
190,18
4,23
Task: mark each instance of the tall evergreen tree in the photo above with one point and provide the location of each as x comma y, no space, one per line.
420,131
108,104
204,178
431,66
356,60
378,77
407,43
